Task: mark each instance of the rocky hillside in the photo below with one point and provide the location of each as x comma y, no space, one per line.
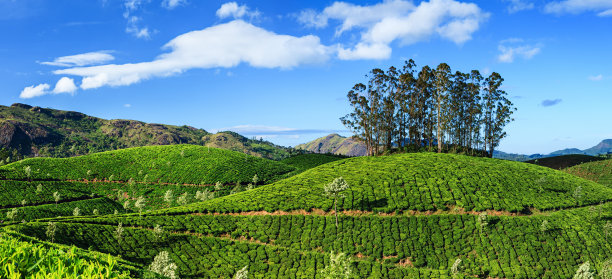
27,131
335,144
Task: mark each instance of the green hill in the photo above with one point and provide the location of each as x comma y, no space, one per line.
564,161
600,171
184,164
27,131
405,216
420,181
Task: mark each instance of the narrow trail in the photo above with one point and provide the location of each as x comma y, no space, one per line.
454,210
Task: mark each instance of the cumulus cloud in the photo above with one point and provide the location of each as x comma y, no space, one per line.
34,91
602,7
83,59
232,9
596,78
519,5
65,85
549,103
224,45
171,4
398,20
510,49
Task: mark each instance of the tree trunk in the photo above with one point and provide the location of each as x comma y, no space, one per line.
336,211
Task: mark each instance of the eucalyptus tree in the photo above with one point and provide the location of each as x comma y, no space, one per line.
140,204
243,273
56,197
169,197
442,85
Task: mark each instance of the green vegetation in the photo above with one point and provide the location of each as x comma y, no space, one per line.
418,181
564,161
184,164
417,215
35,259
600,171
335,144
434,108
303,162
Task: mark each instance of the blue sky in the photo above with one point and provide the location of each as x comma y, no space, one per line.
281,69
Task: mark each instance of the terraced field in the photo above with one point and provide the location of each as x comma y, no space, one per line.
404,216
184,164
600,171
308,161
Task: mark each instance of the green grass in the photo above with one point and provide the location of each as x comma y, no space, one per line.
36,259
185,164
600,172
420,181
564,161
303,162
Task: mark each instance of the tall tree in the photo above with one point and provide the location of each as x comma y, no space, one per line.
442,82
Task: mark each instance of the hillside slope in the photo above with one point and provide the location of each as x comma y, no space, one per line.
418,181
335,144
185,164
405,216
564,161
600,171
34,131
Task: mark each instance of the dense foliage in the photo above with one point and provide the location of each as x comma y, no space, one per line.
86,207
185,164
419,181
600,171
21,259
434,108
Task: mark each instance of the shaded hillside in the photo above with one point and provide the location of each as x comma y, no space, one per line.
600,171
564,161
335,144
307,161
34,131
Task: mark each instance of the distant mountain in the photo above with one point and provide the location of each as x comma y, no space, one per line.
604,147
27,131
335,144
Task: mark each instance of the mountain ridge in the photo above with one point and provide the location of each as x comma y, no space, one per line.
32,131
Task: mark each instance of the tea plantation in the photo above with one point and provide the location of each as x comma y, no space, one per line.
184,164
600,171
422,215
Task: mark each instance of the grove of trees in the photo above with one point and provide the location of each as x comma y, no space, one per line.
432,109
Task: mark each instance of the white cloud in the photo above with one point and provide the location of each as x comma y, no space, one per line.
171,4
232,9
224,45
602,7
519,5
311,18
127,105
34,91
83,59
400,20
596,78
65,85
512,48
134,28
